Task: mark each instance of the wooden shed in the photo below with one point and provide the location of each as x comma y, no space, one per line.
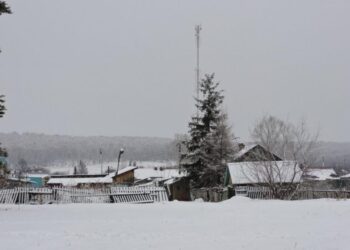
178,189
125,176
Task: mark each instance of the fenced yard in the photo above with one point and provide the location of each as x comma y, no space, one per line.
25,195
259,192
301,194
121,194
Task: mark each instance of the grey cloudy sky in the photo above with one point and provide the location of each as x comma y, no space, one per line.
127,67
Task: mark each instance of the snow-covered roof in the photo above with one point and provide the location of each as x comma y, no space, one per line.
25,180
244,150
345,176
320,174
258,172
171,181
143,173
126,169
37,175
74,181
122,171
79,180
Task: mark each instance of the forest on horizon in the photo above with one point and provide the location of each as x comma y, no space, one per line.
46,150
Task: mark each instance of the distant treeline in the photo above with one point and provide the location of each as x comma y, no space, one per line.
333,154
46,150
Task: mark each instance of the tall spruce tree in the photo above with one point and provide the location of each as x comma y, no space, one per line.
220,149
205,152
2,106
194,162
4,8
3,152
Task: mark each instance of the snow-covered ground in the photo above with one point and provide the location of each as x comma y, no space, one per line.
238,223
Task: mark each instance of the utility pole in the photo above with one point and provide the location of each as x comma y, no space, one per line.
197,29
121,151
101,160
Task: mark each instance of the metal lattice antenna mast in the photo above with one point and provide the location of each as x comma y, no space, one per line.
197,29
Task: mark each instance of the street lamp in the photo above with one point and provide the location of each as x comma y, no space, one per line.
121,151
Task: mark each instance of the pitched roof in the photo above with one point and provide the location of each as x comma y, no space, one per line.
257,172
143,173
320,174
244,150
122,171
37,175
345,176
79,180
258,153
87,179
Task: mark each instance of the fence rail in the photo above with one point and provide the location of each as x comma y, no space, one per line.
116,194
301,194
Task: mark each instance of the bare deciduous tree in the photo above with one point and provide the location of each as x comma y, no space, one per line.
291,142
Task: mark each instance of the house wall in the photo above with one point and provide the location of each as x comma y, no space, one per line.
180,190
127,177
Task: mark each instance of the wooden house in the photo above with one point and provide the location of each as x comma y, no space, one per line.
254,173
125,176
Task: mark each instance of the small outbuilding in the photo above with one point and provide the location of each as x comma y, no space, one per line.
38,180
178,189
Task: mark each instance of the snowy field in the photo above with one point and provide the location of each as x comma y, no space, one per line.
238,223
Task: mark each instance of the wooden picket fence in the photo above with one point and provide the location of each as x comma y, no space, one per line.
301,194
25,195
145,194
307,194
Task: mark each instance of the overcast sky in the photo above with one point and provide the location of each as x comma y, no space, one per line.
127,67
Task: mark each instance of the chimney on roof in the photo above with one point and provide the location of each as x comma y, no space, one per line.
241,146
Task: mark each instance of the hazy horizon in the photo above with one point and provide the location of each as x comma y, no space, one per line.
139,136
110,68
